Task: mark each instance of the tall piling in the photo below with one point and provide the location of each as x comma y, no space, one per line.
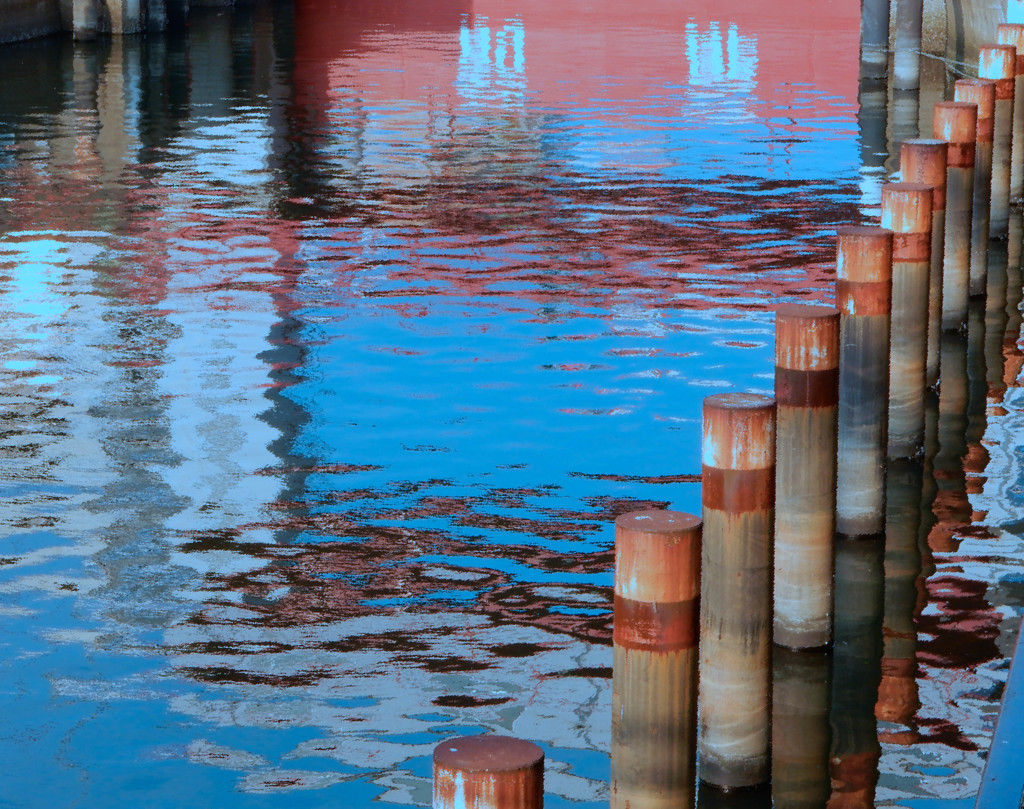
956,122
863,297
981,92
907,212
924,161
1013,34
999,64
874,39
807,397
654,675
738,488
488,772
906,58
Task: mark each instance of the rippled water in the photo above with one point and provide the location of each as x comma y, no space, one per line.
334,339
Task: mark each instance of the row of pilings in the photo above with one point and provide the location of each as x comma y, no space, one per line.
724,676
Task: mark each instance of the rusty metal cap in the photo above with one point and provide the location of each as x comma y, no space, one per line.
739,431
487,753
997,61
864,255
806,338
657,555
977,91
956,121
907,207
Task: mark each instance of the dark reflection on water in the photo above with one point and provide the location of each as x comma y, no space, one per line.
335,338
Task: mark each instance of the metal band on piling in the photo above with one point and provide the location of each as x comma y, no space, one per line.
981,92
907,212
999,63
1013,34
924,161
956,123
807,395
654,677
738,489
488,772
864,299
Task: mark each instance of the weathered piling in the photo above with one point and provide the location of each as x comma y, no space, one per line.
981,92
807,397
924,161
874,39
488,772
1013,34
906,58
907,212
738,488
956,122
801,687
863,297
654,675
999,63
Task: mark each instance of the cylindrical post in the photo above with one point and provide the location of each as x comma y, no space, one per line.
654,676
906,60
983,93
999,63
874,38
488,772
924,161
956,122
738,489
863,297
907,212
1013,34
807,395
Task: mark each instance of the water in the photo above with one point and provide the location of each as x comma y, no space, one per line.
333,341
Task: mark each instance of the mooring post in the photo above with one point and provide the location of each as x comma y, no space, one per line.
924,161
999,63
488,772
906,58
956,122
801,687
807,398
738,489
1013,34
654,674
981,92
863,297
907,212
874,38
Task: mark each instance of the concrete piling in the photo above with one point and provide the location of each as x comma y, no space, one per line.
488,772
999,64
863,297
874,39
654,675
907,212
924,161
906,58
981,92
1013,34
807,397
738,488
957,123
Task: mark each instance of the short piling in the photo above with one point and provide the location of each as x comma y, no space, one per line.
907,212
654,676
488,772
863,297
738,488
1013,34
924,161
807,397
983,93
956,123
999,63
